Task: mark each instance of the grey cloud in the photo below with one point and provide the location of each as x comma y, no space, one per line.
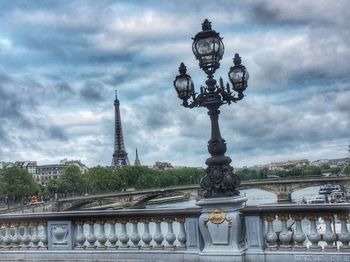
55,132
298,12
342,101
64,87
73,61
92,91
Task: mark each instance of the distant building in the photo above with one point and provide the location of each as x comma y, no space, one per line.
331,162
29,166
162,165
258,167
137,160
77,163
4,164
282,166
46,173
320,162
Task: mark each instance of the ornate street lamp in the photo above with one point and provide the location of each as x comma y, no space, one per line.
208,48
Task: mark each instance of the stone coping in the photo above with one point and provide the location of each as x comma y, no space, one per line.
296,208
123,213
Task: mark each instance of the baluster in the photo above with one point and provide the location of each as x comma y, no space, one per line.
313,236
271,236
1,236
26,236
113,237
8,237
146,237
43,237
35,236
158,236
329,236
91,238
135,236
181,237
16,239
285,235
102,238
80,238
170,236
124,237
344,235
299,236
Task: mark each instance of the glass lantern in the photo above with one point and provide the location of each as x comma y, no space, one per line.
208,48
183,84
238,75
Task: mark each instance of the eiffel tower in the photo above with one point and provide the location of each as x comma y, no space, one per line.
120,157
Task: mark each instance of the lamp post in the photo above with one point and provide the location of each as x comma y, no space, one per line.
208,48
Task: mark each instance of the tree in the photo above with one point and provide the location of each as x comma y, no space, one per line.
102,179
311,171
15,183
130,174
347,170
72,181
246,174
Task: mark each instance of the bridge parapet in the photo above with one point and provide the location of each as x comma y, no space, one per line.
128,234
298,232
270,233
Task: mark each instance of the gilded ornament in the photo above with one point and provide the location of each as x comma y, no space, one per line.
145,220
312,217
157,220
269,217
327,217
180,219
217,217
283,217
169,219
343,216
297,217
133,220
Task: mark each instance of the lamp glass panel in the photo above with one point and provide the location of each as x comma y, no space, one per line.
246,75
207,59
236,75
205,46
182,84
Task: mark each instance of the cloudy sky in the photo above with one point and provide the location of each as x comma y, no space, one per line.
60,62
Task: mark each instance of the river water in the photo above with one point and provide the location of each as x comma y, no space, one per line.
255,197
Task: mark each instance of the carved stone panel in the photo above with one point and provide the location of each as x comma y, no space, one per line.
60,235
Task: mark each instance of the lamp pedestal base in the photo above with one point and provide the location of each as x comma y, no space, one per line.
222,229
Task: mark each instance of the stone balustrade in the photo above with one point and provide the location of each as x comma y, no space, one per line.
250,233
298,229
162,230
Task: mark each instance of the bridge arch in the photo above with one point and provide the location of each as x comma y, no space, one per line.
259,196
306,192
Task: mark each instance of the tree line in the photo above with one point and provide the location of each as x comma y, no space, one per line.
17,184
249,174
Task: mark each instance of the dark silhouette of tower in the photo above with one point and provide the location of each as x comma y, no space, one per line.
137,160
120,157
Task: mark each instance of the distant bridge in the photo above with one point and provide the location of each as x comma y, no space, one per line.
283,188
135,199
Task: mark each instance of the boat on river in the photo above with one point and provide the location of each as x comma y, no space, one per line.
319,199
329,188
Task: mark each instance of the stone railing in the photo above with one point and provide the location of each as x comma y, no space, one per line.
211,233
294,229
161,230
